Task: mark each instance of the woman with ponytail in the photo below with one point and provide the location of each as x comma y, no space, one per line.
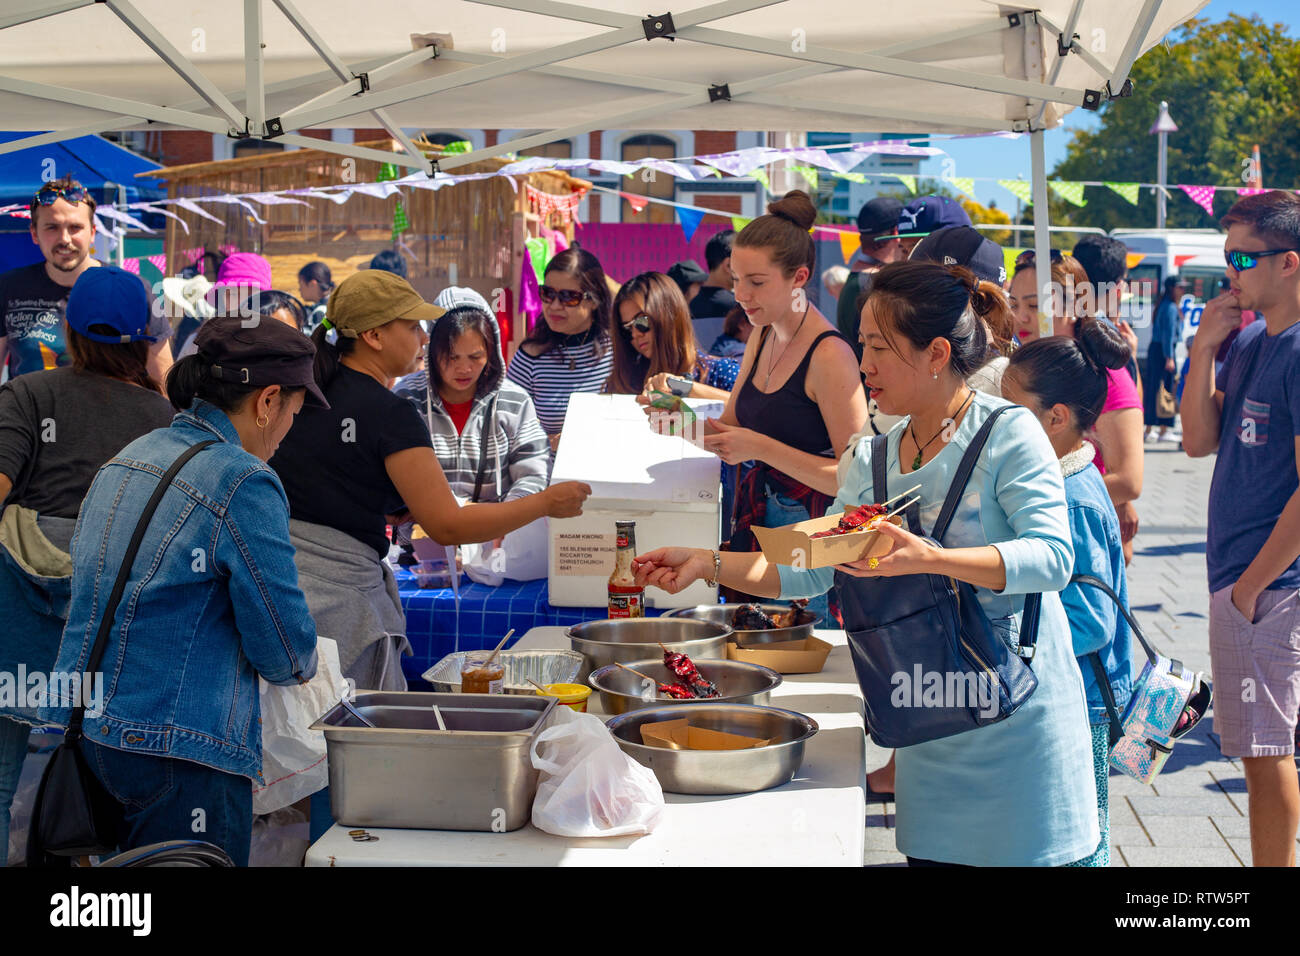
1117,433
799,397
1013,793
368,462
56,429
211,600
1063,381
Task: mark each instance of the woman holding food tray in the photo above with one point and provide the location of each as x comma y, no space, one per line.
1018,791
798,397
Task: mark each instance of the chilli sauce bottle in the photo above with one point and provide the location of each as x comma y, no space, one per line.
626,597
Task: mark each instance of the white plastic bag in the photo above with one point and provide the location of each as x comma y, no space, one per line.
521,557
293,755
589,787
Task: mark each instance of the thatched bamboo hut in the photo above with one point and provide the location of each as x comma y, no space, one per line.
468,234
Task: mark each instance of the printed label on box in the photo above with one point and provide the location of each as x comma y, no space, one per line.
583,555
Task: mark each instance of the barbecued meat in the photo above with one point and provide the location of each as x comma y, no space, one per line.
751,617
852,520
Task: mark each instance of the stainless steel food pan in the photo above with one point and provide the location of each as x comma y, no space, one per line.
638,639
803,626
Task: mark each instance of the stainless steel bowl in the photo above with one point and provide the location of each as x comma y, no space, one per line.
545,667
720,771
738,683
638,638
805,621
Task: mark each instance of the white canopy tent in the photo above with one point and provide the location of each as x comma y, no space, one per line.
253,68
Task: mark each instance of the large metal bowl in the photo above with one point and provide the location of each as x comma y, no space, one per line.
602,643
720,771
737,682
805,621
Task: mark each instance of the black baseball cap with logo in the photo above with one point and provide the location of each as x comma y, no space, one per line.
879,217
963,246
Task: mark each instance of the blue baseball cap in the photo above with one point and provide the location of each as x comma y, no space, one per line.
927,214
112,297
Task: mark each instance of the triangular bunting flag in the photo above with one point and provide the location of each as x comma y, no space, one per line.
131,265
1070,192
1250,191
761,176
808,173
854,177
689,219
636,202
739,222
1128,190
849,243
908,181
1020,189
160,262
1203,196
963,184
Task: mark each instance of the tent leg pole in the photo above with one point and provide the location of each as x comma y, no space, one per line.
1042,237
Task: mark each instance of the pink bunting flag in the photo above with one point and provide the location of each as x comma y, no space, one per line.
131,265
228,250
193,254
1250,191
1203,196
160,262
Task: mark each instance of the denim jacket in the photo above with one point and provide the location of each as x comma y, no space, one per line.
212,600
1095,623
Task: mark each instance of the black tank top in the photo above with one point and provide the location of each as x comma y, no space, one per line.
788,414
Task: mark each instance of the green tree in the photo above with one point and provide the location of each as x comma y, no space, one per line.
1229,86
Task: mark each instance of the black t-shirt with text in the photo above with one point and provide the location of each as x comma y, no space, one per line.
332,461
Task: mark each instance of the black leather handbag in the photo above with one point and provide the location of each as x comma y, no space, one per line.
928,661
73,814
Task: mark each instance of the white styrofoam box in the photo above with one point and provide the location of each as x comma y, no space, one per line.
668,486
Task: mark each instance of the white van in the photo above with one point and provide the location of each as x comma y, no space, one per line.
1194,255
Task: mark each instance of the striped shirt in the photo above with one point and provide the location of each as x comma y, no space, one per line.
550,381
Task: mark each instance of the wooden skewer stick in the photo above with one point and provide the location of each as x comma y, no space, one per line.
904,494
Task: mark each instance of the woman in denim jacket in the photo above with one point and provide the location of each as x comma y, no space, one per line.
1012,793
172,727
1063,382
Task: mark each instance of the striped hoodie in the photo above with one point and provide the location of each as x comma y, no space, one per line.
516,459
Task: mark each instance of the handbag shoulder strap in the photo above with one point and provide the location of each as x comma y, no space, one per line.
963,473
1102,586
119,586
1107,695
879,469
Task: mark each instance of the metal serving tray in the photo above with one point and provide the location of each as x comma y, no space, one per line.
405,772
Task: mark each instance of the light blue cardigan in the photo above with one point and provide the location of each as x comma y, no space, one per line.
1019,792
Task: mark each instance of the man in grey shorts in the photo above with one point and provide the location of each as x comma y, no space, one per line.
1251,416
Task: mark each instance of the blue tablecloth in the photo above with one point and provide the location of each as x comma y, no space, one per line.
435,629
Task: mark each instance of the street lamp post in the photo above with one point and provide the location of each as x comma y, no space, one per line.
1163,126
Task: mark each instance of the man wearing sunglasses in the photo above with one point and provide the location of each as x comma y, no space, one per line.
33,297
1250,415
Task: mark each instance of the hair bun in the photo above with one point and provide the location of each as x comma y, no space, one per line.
1101,344
797,207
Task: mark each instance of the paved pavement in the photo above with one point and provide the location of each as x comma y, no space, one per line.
1194,814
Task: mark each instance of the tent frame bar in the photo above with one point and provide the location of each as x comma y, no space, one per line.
49,10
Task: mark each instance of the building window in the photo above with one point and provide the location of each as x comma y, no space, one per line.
662,186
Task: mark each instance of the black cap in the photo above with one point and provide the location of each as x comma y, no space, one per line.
963,246
686,272
879,217
259,351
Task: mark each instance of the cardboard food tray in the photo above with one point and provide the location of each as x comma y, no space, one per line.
793,544
680,735
807,656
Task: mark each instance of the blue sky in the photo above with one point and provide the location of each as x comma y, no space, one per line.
1009,159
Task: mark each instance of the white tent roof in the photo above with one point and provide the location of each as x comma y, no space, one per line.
837,65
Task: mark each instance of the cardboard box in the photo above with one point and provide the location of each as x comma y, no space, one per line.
785,657
793,544
680,735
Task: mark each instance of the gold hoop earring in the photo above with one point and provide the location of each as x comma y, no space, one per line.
263,421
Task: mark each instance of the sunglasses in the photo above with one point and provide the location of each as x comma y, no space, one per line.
568,297
1029,256
1241,261
641,323
47,194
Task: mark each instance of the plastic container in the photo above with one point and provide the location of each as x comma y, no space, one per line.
573,696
